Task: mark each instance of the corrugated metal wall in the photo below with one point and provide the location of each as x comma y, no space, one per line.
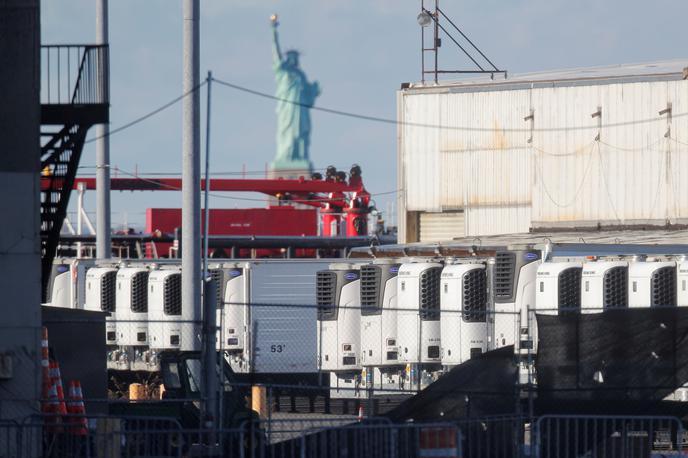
421,146
634,174
510,174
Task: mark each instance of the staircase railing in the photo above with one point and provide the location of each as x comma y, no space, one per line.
75,75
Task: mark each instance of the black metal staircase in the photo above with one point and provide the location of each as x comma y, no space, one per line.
74,97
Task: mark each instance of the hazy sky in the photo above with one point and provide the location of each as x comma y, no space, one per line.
359,51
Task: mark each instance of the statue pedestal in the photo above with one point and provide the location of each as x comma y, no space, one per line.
292,170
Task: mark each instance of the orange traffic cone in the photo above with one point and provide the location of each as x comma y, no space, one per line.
45,368
56,380
51,411
360,412
77,410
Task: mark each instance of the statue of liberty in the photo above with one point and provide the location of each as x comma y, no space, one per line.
296,96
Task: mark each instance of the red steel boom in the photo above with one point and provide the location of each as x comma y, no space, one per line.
334,195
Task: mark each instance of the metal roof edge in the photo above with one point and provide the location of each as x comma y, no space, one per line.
650,71
539,84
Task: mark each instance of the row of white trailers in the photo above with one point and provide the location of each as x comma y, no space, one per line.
376,326
401,325
266,310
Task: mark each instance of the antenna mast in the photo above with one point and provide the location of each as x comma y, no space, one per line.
436,17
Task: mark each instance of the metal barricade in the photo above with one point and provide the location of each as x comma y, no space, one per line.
10,439
553,436
563,436
342,437
102,436
305,435
492,437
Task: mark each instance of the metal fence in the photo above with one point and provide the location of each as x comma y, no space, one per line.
553,436
493,437
151,437
564,436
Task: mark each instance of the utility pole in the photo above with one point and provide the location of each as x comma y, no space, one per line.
212,413
211,378
191,179
103,220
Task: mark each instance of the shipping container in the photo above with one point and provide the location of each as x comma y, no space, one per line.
274,220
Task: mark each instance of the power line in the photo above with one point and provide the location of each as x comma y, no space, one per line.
147,115
395,122
583,149
365,117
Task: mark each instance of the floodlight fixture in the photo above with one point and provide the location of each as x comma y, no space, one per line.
424,19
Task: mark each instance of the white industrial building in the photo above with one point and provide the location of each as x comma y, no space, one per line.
605,146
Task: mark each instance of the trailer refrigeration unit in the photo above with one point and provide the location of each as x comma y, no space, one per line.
558,288
604,286
682,283
513,289
463,316
67,284
658,283
339,328
652,284
681,394
100,297
513,295
379,351
558,291
165,328
132,324
232,314
418,323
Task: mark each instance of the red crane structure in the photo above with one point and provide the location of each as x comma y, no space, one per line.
340,200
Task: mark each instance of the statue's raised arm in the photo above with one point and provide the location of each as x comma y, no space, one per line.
276,51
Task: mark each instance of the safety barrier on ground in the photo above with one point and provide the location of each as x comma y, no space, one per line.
348,437
563,436
100,436
552,436
304,437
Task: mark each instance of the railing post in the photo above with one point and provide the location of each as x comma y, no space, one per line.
679,436
242,441
535,438
394,441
